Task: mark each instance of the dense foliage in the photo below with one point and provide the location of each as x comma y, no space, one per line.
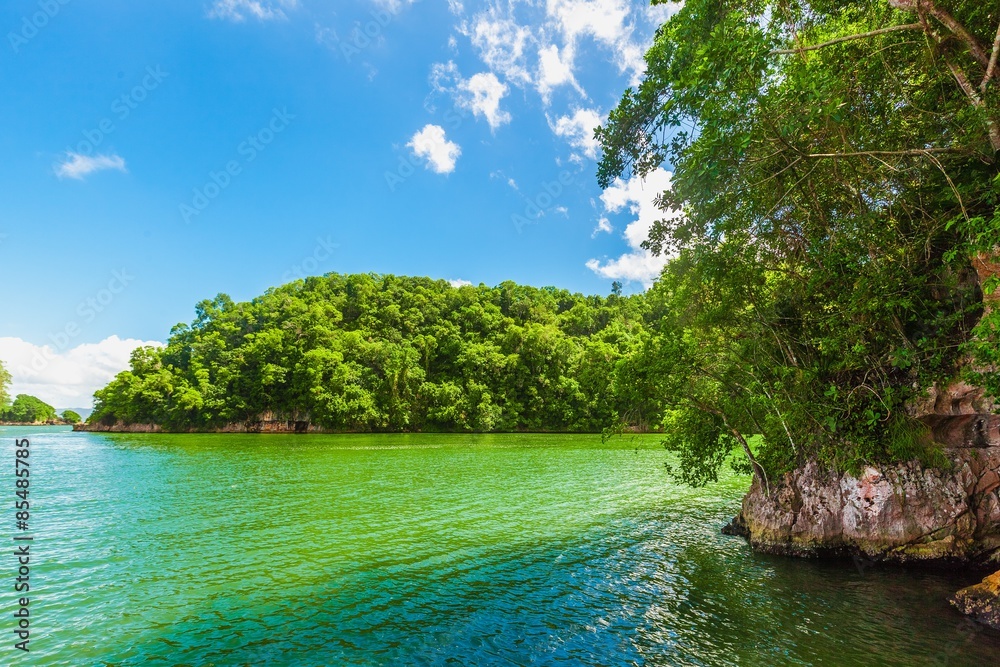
29,409
71,417
373,352
834,175
5,380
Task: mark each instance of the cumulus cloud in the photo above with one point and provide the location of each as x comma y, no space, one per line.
578,130
459,283
612,24
484,92
430,144
511,38
66,378
605,20
480,94
535,45
603,225
555,68
638,196
78,166
262,10
503,43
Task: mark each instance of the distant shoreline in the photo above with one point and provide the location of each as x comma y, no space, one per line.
293,427
35,424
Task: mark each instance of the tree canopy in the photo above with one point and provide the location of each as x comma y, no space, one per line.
834,177
381,352
4,386
29,409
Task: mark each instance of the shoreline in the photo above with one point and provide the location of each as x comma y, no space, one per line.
294,428
36,424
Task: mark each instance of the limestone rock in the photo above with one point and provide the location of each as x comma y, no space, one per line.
901,513
981,602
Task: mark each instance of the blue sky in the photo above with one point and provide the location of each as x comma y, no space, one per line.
160,153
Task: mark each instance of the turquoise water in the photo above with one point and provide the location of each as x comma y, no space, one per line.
431,550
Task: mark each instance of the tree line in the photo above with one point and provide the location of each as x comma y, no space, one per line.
386,353
28,409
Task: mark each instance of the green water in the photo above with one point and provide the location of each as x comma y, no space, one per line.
431,550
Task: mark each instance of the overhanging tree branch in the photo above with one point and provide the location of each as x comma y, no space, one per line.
948,21
914,152
991,124
849,38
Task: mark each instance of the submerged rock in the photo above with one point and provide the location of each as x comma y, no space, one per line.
981,602
899,513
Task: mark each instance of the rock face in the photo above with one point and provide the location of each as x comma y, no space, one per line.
981,602
899,513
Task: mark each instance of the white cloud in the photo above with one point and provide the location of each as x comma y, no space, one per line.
555,69
394,6
608,22
638,195
459,283
498,174
77,166
262,10
604,20
502,43
578,130
480,94
431,145
534,44
66,378
484,94
603,225
512,36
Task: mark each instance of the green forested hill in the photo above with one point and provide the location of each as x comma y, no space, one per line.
374,352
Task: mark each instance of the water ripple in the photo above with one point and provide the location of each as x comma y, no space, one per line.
437,550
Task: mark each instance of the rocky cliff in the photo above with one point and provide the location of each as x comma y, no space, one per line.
901,513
